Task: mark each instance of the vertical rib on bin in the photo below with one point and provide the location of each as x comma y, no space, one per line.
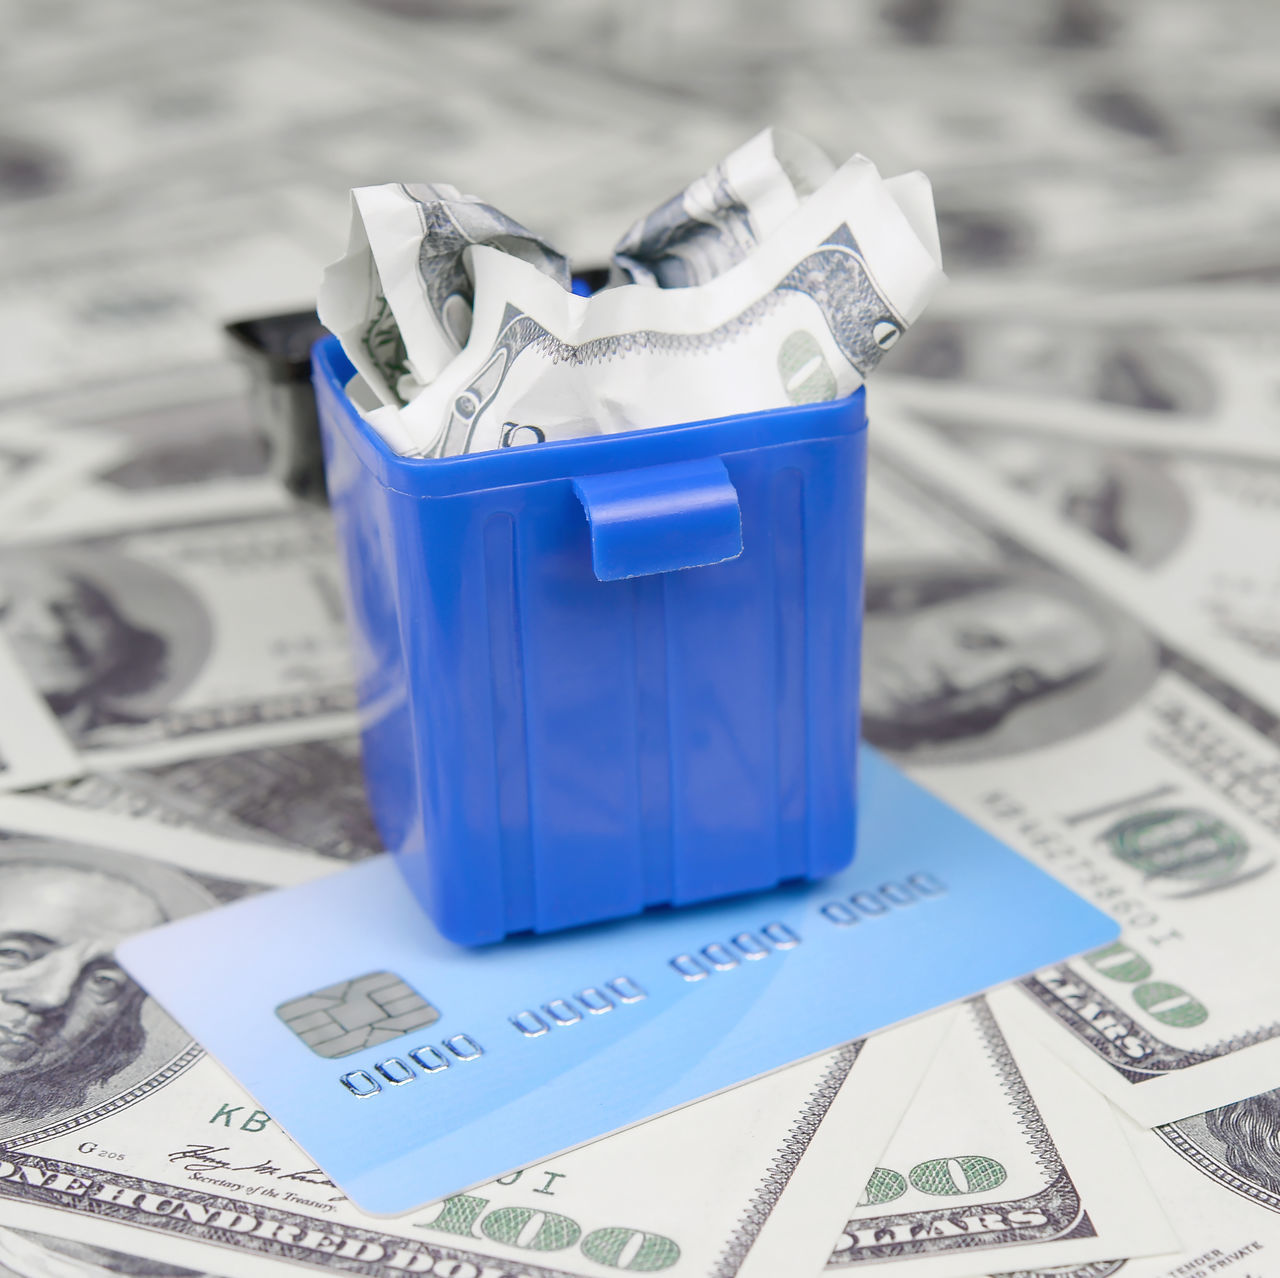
791,671
653,737
509,725
579,637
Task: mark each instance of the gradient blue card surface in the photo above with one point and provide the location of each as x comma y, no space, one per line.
410,1068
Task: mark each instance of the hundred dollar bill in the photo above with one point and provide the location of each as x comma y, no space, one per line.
93,145
1181,520
401,298
169,448
1050,129
27,1253
1121,372
1197,219
1217,1175
1085,732
1005,1158
164,643
305,796
1139,560
804,318
1132,113
255,860
721,217
37,464
89,301
111,1116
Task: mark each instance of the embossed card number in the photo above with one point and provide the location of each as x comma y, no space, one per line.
353,1015
397,1071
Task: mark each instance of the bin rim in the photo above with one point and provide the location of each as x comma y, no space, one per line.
566,458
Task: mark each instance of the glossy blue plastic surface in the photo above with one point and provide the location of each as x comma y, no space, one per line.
602,674
661,518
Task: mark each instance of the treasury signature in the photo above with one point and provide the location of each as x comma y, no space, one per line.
203,1158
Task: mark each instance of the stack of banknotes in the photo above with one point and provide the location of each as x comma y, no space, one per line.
773,279
1073,600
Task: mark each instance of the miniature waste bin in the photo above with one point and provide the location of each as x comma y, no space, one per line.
602,674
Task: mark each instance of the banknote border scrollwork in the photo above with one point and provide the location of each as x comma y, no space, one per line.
1227,694
166,1074
196,722
1090,1269
1058,1198
519,332
112,1197
1168,1059
785,1161
1211,1167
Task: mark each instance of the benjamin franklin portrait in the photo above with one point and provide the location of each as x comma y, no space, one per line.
962,661
74,1029
1249,1131
104,638
1129,501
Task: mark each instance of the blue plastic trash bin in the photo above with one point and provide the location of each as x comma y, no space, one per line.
609,673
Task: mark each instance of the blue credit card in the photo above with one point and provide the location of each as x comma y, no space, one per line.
409,1068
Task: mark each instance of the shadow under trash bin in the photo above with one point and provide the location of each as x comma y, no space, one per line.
276,351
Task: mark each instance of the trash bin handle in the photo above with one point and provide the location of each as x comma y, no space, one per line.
661,518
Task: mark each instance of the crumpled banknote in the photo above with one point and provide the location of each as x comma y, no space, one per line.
720,217
401,297
774,279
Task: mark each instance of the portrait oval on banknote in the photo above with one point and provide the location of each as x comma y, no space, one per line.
78,1039
103,637
1237,1145
1141,368
1131,502
965,662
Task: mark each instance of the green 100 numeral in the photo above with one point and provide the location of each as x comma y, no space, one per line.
1167,1003
531,1229
938,1177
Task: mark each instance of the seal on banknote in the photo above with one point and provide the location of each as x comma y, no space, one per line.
1185,851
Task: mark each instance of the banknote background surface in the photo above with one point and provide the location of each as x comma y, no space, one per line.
1072,629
